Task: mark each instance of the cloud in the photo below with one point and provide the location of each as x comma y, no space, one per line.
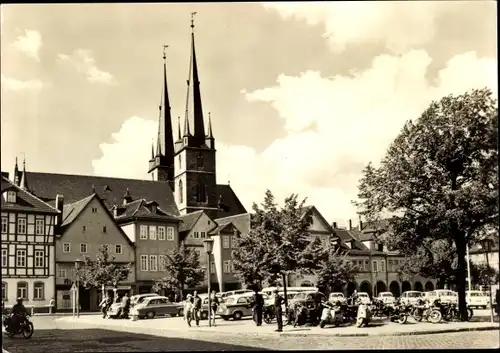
401,25
12,84
83,61
29,43
356,116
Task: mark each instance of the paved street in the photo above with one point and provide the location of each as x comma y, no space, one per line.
51,337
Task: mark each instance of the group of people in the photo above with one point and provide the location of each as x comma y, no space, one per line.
193,308
108,300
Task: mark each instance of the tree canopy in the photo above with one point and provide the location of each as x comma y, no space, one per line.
103,271
438,181
182,268
336,270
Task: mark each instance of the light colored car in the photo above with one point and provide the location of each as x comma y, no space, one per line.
386,297
429,296
235,292
152,307
364,297
238,306
478,299
411,297
337,297
138,298
447,296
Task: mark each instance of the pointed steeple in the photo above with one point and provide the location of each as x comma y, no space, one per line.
186,127
210,134
152,149
16,174
24,177
168,136
158,139
179,128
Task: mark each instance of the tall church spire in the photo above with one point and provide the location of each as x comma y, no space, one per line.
179,128
24,177
168,150
16,174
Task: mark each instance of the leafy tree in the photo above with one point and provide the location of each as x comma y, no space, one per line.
183,270
483,275
278,242
103,271
336,270
439,180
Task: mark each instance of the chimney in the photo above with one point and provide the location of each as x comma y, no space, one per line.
350,224
334,225
59,207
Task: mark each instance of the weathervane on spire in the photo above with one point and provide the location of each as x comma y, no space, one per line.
192,19
165,51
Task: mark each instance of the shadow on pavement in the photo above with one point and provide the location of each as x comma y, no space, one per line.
99,340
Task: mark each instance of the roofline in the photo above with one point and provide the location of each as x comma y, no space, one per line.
97,176
85,200
233,216
136,218
55,210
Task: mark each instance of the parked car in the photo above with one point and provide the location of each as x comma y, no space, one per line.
430,296
307,298
238,306
138,298
150,307
270,290
447,296
386,298
364,297
478,299
204,306
411,297
235,292
337,297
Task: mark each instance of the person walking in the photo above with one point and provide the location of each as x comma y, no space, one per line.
214,303
258,308
188,309
278,301
105,304
52,306
196,307
125,304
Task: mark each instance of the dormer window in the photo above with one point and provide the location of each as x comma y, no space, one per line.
11,196
380,247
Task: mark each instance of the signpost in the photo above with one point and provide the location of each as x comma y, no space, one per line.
73,295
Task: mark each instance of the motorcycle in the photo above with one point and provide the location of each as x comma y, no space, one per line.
399,314
331,315
25,327
427,313
364,315
268,314
451,312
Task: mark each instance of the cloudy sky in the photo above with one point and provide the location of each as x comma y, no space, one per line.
302,96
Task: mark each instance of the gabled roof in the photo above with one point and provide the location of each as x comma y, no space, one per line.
312,209
111,190
230,204
189,220
240,221
73,210
229,227
25,201
142,209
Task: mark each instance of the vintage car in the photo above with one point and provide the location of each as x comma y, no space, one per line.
429,296
307,299
138,298
337,297
235,292
447,296
237,306
478,299
364,297
411,297
151,307
386,298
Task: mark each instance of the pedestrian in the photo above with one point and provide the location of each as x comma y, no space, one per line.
278,301
497,300
104,305
125,306
176,297
188,308
214,304
196,307
258,307
52,306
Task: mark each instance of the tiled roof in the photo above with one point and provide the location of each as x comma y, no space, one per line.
25,201
143,209
372,227
189,220
111,190
241,222
72,210
222,227
231,205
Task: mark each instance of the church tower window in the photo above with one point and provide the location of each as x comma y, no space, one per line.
180,162
181,192
200,161
201,192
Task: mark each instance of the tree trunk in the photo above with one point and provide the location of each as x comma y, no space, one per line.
284,288
461,279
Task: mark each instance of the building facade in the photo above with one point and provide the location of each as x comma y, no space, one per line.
28,256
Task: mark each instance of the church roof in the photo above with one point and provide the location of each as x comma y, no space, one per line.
25,202
189,220
228,198
142,209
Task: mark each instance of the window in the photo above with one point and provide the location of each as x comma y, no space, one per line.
380,247
118,248
39,258
196,235
161,233
227,266
5,225
375,265
5,258
200,161
144,232
212,267
234,241
4,291
63,273
225,242
22,290
144,262
66,247
153,263
11,196
21,258
366,266
181,192
180,162
201,192
94,210
152,232
38,291
104,229
83,248
84,229
382,266
40,224
170,233
232,266
21,225
161,262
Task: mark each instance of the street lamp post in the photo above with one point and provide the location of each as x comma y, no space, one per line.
209,246
77,268
486,245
